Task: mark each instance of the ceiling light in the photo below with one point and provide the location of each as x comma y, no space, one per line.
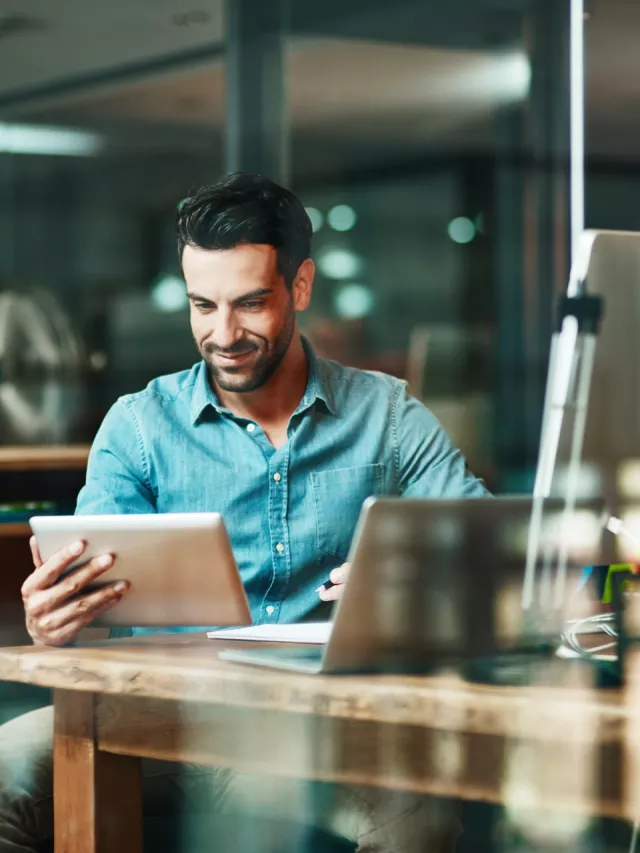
353,301
316,217
488,78
169,294
56,141
507,76
515,77
339,263
628,478
342,217
461,230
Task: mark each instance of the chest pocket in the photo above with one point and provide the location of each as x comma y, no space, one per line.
338,497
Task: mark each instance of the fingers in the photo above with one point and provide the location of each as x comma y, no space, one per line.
340,574
62,625
54,611
47,573
332,594
83,608
338,578
45,600
35,552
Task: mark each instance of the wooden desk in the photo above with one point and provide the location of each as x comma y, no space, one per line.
569,748
49,458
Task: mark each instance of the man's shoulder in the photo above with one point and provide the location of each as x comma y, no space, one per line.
369,383
169,388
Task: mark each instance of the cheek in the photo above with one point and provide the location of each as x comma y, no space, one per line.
199,327
265,325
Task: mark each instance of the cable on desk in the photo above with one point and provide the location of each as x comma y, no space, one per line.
604,622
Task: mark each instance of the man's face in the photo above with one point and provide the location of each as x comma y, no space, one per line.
243,317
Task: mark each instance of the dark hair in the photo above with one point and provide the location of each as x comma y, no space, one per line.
244,209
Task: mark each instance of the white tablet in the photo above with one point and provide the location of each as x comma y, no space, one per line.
180,565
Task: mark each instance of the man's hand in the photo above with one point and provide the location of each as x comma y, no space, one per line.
56,612
338,578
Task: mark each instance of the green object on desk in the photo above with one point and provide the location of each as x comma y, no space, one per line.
616,568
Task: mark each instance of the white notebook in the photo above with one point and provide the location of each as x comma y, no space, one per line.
313,633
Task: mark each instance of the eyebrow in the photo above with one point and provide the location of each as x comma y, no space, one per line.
246,297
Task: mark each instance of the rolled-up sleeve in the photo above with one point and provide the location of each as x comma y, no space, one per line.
117,471
427,464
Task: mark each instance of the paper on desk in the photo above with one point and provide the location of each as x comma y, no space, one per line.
314,633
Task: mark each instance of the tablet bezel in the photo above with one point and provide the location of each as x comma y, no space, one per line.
180,566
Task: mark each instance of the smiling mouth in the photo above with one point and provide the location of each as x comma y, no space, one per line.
234,358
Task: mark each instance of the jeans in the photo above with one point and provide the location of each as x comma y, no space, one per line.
194,797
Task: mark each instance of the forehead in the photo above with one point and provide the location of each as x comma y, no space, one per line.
227,272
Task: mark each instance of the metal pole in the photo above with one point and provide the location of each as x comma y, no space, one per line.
257,129
577,124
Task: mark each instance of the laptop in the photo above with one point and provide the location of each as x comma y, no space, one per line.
435,581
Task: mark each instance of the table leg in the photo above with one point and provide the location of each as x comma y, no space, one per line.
97,795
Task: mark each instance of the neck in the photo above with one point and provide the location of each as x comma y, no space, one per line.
278,398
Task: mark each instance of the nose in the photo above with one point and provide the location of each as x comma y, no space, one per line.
226,331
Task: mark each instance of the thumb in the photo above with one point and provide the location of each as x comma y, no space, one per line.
339,575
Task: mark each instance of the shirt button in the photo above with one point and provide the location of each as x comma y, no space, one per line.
277,477
251,427
279,547
270,610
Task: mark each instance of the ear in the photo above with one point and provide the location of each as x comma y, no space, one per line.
303,285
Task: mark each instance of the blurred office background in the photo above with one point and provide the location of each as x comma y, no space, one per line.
429,141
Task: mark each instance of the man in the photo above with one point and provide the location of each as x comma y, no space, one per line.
286,446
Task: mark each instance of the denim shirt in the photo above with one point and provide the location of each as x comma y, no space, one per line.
291,512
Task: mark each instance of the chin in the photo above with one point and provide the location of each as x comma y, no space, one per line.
235,382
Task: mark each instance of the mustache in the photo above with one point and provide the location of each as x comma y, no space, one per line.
239,348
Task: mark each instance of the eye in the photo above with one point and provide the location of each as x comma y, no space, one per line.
203,306
253,303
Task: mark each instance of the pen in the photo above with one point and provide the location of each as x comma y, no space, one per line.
326,585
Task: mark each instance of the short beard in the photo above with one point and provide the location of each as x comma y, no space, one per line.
265,366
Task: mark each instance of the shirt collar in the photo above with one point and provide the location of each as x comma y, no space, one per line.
203,396
318,388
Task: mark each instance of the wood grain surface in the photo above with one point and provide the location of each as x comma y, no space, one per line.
186,667
565,776
63,457
97,795
568,747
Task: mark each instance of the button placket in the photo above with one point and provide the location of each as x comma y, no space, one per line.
278,498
